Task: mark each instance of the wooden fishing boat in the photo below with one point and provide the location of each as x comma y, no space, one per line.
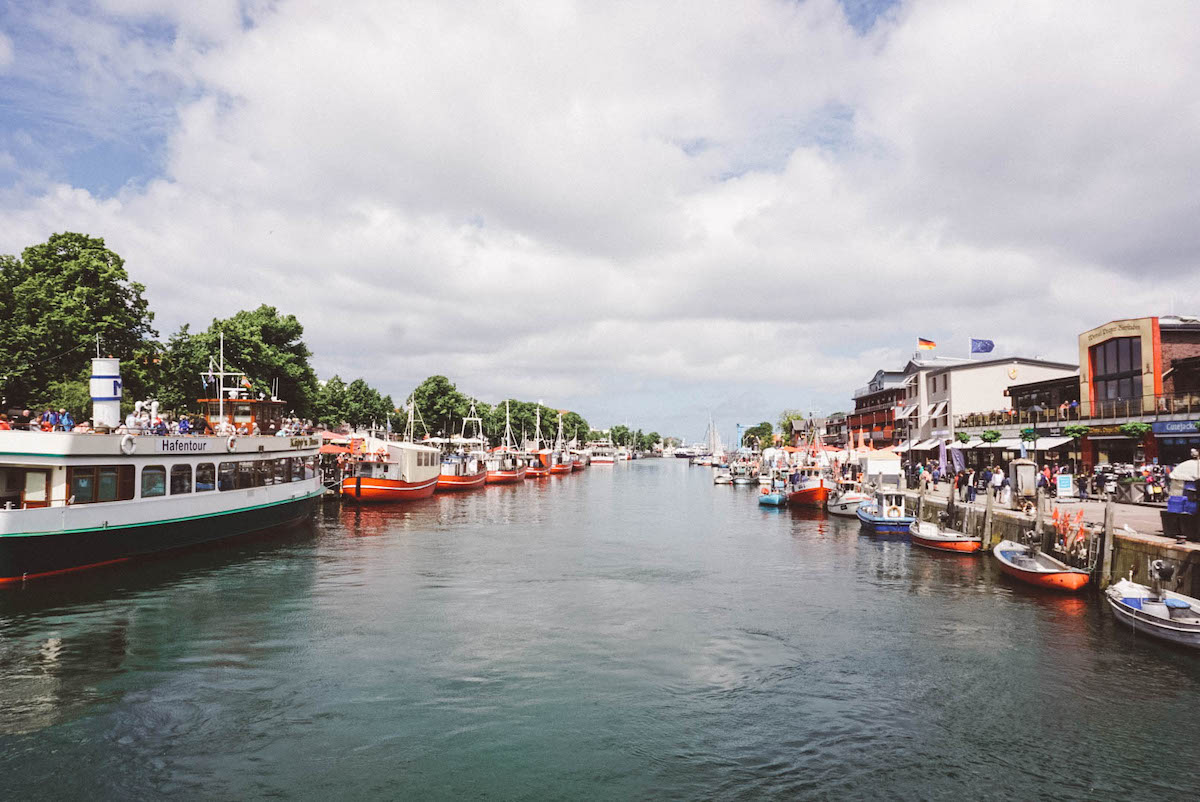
1037,568
932,536
885,514
1155,611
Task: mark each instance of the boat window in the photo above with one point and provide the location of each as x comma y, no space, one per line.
283,469
241,413
181,479
297,468
205,477
83,485
266,471
227,476
309,468
247,475
154,481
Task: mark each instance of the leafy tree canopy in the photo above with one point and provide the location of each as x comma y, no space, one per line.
785,421
990,436
1075,432
54,300
760,435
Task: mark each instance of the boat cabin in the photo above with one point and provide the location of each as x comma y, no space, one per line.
266,413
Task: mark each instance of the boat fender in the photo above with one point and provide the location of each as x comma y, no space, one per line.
128,445
230,442
893,512
764,491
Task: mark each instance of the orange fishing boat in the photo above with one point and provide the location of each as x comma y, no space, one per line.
504,465
1038,568
559,458
811,491
403,472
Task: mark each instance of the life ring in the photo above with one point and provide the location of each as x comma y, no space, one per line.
128,445
893,512
231,441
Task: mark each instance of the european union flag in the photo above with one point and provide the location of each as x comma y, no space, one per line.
981,346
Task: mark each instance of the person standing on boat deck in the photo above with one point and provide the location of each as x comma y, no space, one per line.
65,421
4,424
184,426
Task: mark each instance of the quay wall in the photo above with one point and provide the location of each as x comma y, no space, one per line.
1130,550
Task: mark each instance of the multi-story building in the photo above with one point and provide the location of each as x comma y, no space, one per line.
875,409
1141,370
835,430
944,394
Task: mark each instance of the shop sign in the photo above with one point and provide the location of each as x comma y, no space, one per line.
1174,427
1104,430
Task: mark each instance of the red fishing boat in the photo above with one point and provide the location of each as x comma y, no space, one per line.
559,457
504,465
461,472
536,469
403,472
811,491
1038,568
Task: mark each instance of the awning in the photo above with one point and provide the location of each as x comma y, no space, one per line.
903,412
906,445
330,449
933,442
972,443
937,410
1008,443
1047,443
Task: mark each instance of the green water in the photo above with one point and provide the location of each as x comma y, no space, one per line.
632,632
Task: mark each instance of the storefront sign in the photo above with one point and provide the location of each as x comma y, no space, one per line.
1104,430
1174,427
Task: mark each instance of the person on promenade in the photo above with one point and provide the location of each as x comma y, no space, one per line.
971,486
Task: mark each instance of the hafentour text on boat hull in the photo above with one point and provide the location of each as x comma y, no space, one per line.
72,501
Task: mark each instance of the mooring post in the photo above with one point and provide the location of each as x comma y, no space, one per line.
1037,518
986,535
920,500
1106,561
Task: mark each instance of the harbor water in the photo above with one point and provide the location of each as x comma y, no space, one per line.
628,632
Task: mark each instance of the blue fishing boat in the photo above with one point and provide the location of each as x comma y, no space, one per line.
885,514
773,499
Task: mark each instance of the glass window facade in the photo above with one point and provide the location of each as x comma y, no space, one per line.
1117,375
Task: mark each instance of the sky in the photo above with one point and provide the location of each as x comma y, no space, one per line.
645,212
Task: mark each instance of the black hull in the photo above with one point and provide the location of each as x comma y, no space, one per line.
42,555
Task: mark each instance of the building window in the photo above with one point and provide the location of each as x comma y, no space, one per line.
181,479
1116,374
154,481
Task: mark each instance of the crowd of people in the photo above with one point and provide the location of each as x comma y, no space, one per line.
972,482
145,418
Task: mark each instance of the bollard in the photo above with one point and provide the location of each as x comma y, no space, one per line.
1106,560
1037,519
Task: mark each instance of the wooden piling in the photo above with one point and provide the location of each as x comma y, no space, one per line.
986,535
1037,518
1106,561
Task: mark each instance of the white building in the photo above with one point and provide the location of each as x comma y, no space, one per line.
939,388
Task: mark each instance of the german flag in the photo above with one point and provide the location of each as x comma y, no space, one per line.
925,345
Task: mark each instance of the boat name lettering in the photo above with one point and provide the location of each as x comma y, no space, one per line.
182,446
305,442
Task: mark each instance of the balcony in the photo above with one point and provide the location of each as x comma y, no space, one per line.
1167,406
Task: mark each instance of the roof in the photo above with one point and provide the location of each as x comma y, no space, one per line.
1011,360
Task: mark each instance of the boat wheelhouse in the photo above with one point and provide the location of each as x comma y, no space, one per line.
885,513
72,500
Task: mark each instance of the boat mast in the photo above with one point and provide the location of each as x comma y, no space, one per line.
508,432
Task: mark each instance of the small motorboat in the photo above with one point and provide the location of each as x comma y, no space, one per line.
1155,611
722,476
885,513
935,536
1030,564
846,500
773,498
744,473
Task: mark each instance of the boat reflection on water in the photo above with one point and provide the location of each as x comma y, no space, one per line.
67,643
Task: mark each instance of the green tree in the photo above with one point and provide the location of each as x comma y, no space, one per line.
575,426
621,435
1076,432
330,408
1029,435
1135,429
785,422
650,440
990,436
962,437
760,435
54,301
441,405
266,346
365,406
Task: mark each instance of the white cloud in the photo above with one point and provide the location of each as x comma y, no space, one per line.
653,206
6,52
